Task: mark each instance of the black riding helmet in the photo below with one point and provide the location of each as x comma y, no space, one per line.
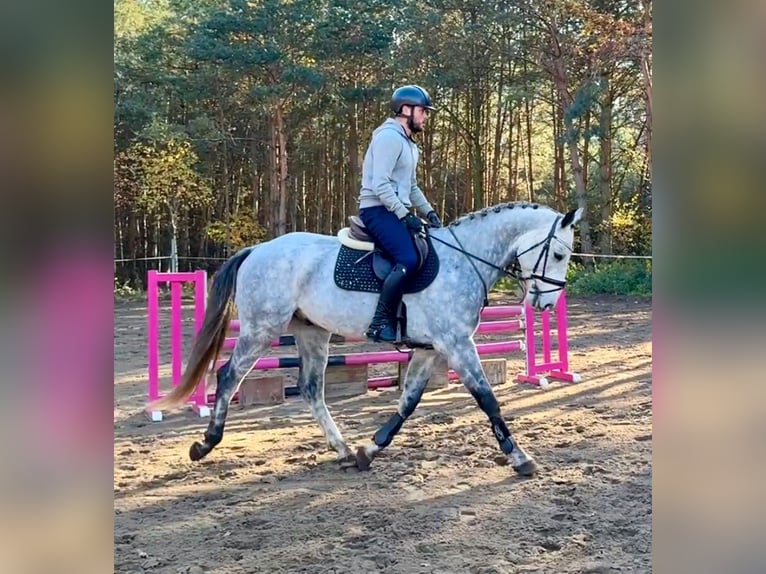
410,95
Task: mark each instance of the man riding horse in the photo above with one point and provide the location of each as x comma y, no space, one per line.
389,191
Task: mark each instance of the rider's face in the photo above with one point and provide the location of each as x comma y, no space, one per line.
419,117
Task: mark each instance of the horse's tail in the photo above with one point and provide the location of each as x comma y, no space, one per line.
210,338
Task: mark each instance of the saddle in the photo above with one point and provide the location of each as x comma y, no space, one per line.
355,236
363,266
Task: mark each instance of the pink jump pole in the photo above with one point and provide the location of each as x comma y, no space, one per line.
494,312
508,326
546,325
176,332
529,336
153,336
392,381
533,368
502,311
500,326
375,357
200,302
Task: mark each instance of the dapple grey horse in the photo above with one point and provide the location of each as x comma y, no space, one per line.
287,285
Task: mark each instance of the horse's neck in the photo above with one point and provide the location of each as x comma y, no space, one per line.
491,236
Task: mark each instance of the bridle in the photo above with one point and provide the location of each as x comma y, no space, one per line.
513,269
543,257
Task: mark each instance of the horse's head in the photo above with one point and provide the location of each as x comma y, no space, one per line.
542,258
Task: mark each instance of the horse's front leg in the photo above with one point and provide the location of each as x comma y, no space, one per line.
418,372
465,360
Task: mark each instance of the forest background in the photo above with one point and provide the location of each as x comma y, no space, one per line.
237,121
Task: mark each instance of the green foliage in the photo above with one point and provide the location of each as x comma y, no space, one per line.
631,228
167,177
507,286
241,231
622,277
124,291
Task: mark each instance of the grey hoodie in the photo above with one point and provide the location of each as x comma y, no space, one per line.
388,172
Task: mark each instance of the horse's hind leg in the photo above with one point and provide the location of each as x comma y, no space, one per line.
248,349
313,347
418,372
465,360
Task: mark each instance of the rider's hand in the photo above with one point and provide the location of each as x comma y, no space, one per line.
433,219
413,222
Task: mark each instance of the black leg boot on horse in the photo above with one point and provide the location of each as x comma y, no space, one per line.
383,326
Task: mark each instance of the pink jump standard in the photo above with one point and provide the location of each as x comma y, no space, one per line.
558,369
537,373
176,282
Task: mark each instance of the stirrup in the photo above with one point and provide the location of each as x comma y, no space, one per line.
374,331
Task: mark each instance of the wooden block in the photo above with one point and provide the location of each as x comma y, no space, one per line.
345,390
496,371
345,381
211,383
345,374
440,375
263,390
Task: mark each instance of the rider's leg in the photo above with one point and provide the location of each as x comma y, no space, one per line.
383,325
395,239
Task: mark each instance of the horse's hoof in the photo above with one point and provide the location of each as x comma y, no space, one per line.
197,451
529,468
363,461
348,461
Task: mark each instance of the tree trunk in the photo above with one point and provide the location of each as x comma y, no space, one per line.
560,80
281,227
225,176
353,175
132,246
646,73
500,120
515,161
183,238
277,171
530,176
586,148
427,161
173,239
558,150
273,174
475,128
605,168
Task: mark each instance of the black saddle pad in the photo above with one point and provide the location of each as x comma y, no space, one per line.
354,271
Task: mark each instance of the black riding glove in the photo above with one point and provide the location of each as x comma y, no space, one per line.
413,222
433,219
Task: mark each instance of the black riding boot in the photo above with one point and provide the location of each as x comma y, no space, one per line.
383,326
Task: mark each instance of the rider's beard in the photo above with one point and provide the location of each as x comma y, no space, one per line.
415,128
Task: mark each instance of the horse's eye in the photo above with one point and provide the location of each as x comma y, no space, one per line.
558,256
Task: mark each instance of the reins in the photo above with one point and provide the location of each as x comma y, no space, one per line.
512,269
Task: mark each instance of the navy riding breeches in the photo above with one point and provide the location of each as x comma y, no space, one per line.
391,235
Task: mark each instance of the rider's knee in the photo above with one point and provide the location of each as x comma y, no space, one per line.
409,262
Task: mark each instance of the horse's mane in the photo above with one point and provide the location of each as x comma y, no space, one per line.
497,208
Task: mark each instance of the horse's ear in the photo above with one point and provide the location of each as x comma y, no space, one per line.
572,217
